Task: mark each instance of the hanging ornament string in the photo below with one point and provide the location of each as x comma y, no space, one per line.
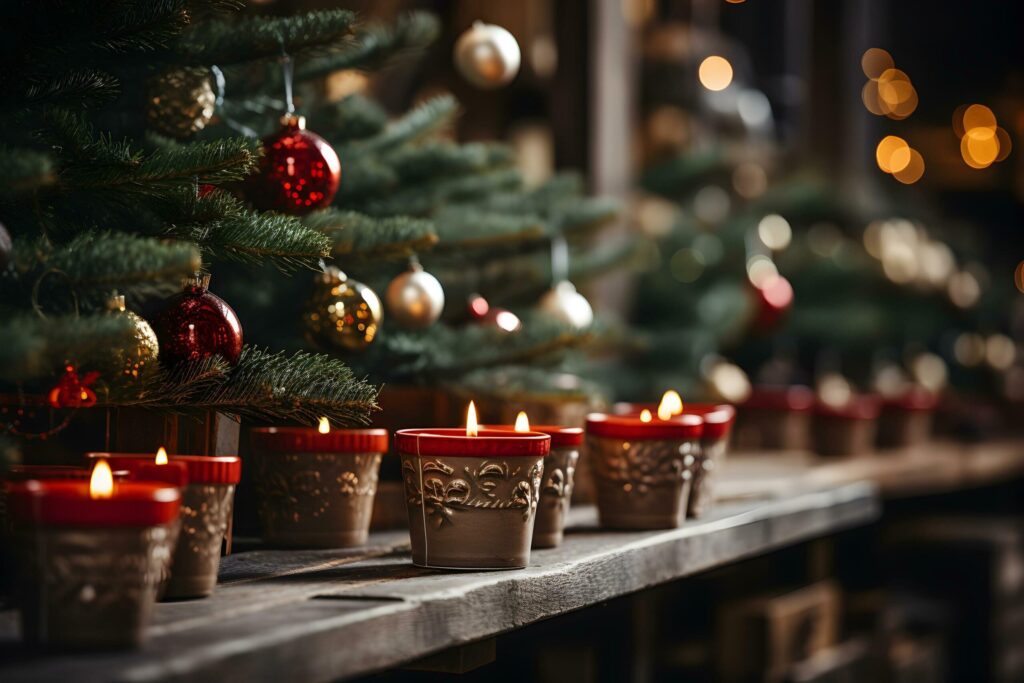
221,86
288,74
559,259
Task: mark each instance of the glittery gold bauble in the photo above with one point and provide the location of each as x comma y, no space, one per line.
181,101
341,313
137,359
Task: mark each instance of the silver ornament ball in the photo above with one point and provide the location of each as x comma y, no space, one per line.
487,56
415,299
564,303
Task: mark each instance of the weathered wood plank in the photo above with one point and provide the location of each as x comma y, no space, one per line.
324,615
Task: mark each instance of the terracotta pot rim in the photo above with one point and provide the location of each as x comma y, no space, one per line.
561,437
685,426
64,503
202,469
310,440
452,441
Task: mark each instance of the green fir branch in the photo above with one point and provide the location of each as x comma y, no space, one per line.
427,118
352,118
423,198
84,88
227,42
376,44
356,235
434,159
24,170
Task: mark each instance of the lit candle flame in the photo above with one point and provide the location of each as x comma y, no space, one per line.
325,426
522,422
472,428
645,415
161,456
671,405
101,484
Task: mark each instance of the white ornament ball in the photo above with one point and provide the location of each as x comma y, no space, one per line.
487,56
415,299
564,303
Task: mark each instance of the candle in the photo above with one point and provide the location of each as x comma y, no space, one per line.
714,443
207,500
89,557
643,465
472,494
847,427
558,479
316,486
775,418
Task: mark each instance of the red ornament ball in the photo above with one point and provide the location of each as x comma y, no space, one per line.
300,172
772,300
197,324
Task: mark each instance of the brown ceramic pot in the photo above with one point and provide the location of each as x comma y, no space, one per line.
642,469
206,506
714,447
906,420
848,429
557,485
472,500
316,490
775,419
90,570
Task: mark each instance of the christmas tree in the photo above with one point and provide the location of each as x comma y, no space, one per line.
133,160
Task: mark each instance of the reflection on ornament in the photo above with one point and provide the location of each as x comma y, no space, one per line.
834,390
299,173
129,362
564,303
487,56
342,314
72,391
415,299
181,101
197,324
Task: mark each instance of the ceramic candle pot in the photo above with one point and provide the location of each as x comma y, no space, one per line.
557,485
775,418
906,420
848,429
90,568
714,446
472,500
206,505
642,469
316,490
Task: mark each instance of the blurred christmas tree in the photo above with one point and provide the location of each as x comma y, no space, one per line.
132,160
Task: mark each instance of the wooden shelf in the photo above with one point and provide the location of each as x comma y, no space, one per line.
324,615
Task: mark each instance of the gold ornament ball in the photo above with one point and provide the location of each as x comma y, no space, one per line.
342,314
132,362
181,101
415,299
487,56
564,303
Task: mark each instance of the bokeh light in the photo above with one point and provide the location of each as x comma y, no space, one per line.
875,61
964,290
969,349
749,180
715,73
687,265
774,231
912,170
982,141
761,269
1018,277
1000,351
892,154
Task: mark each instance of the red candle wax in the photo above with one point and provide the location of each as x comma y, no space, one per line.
561,437
199,469
718,417
489,443
68,503
685,426
311,440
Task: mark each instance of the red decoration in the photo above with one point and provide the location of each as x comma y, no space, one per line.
68,503
310,440
197,324
489,443
199,469
73,391
205,190
772,300
685,426
561,437
300,172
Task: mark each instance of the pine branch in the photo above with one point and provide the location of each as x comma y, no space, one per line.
464,227
82,88
435,159
363,176
23,171
376,44
584,214
357,235
301,387
221,225
423,198
226,42
425,119
352,118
